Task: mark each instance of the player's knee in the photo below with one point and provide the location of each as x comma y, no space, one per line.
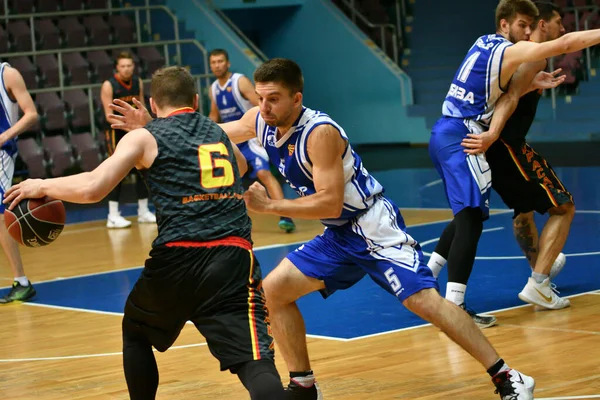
523,218
261,379
424,303
567,209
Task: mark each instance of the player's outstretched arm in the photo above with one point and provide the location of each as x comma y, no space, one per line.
136,148
525,51
15,85
325,150
528,77
241,160
243,129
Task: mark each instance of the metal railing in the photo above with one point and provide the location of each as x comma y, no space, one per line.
356,15
60,52
136,10
90,87
238,32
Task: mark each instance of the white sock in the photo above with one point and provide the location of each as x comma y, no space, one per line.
436,263
455,292
142,206
113,208
22,280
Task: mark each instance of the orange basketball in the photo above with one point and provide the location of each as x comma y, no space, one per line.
36,222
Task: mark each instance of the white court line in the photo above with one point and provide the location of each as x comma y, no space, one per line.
542,328
591,396
432,183
426,324
121,314
8,360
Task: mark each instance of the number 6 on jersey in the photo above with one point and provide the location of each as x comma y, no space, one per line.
209,164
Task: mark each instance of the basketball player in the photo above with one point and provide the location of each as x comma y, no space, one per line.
231,95
201,266
124,85
468,109
13,95
365,232
526,182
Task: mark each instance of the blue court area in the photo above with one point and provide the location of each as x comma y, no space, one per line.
499,274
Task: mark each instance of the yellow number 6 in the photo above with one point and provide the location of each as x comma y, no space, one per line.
208,165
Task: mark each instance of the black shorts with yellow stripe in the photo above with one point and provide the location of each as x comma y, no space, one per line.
524,179
112,138
217,286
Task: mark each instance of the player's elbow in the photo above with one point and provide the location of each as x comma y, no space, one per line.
334,208
242,166
92,191
565,44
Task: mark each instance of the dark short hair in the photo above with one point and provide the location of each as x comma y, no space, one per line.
508,10
546,11
219,52
124,55
283,71
174,87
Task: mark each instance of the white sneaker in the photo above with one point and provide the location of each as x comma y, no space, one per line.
543,295
557,266
513,385
117,222
147,217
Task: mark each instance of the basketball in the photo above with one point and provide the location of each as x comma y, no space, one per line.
36,222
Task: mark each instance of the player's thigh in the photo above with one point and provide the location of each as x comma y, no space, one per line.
467,178
233,316
321,264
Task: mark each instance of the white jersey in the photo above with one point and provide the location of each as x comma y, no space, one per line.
9,113
289,154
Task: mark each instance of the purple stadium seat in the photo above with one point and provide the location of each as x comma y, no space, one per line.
73,31
79,111
49,68
21,34
22,6
151,59
53,110
72,5
101,64
48,33
60,154
27,70
123,28
77,68
98,30
4,45
46,6
87,150
33,156
97,3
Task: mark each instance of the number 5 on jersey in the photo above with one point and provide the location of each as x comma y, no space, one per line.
209,165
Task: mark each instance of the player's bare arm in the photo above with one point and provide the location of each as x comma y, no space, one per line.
137,149
530,76
241,160
325,148
525,51
15,85
142,98
214,110
243,129
248,91
106,96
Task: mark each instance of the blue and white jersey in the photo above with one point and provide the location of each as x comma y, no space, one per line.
289,154
229,100
9,113
476,86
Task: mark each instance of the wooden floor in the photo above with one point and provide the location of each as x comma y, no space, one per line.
49,353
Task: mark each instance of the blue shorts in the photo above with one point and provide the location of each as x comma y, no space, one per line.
374,244
7,169
467,178
256,156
